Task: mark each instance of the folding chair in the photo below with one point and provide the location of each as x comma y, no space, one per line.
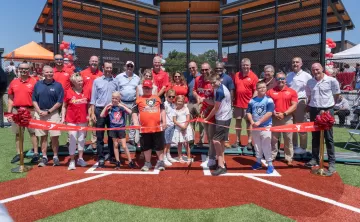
353,133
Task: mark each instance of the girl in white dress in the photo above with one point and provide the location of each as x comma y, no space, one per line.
183,132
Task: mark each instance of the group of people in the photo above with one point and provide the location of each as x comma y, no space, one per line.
164,104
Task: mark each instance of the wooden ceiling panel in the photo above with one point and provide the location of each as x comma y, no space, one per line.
210,6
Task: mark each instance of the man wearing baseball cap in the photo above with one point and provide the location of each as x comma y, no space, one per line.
149,113
128,81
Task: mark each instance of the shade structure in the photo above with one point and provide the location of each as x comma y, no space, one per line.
351,55
31,51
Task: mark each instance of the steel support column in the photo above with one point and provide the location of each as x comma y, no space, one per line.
343,29
137,45
324,5
220,39
2,91
276,33
61,22
239,40
101,35
187,37
159,42
55,27
43,37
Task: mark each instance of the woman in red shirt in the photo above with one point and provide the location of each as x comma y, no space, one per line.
179,85
75,113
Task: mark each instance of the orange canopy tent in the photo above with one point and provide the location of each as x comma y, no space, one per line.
31,51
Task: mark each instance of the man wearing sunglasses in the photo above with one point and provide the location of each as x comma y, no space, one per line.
20,96
193,105
228,82
285,100
128,81
204,91
60,74
160,77
297,80
322,92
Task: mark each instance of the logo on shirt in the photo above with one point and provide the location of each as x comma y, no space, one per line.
248,79
52,89
78,101
150,102
29,85
259,110
117,118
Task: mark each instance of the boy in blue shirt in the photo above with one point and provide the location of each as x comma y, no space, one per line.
117,111
259,114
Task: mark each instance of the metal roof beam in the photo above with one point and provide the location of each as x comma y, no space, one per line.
333,8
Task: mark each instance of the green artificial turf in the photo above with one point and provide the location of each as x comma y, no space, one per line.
105,210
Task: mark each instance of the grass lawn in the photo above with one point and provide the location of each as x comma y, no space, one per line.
111,211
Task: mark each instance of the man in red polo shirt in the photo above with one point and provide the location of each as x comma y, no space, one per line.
20,95
285,100
89,75
202,92
160,77
60,74
245,89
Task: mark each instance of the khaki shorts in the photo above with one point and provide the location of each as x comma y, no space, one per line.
15,127
53,117
239,113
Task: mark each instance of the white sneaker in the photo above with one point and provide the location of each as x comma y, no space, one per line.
211,163
299,150
170,159
72,165
205,163
166,162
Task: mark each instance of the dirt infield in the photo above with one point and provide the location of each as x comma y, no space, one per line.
180,187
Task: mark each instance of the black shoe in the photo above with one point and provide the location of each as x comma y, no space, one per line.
132,165
215,166
312,163
219,171
236,145
101,164
112,160
117,165
16,158
35,158
249,147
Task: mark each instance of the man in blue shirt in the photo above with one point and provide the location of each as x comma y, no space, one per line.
193,106
259,114
227,81
47,98
102,89
128,82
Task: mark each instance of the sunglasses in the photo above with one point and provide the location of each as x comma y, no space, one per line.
130,66
23,69
191,67
280,79
171,97
176,76
204,70
218,68
59,59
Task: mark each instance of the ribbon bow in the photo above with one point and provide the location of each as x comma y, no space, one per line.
22,118
325,120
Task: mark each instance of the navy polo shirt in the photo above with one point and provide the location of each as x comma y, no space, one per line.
48,94
227,81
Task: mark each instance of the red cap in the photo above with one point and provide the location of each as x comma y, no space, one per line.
148,84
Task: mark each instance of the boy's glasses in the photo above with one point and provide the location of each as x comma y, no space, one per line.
130,66
280,79
171,97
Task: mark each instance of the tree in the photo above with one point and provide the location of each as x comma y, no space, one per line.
176,61
126,50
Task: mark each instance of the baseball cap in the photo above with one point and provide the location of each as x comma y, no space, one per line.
129,62
148,84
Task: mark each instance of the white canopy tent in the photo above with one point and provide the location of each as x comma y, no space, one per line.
351,55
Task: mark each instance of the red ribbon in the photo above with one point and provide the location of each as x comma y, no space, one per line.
21,118
324,120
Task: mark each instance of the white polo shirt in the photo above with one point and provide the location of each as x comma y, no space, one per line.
322,92
297,81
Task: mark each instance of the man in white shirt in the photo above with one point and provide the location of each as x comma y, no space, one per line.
322,91
297,80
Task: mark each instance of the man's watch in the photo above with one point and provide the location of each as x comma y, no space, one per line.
48,112
285,114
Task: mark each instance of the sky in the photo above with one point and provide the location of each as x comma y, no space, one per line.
18,29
